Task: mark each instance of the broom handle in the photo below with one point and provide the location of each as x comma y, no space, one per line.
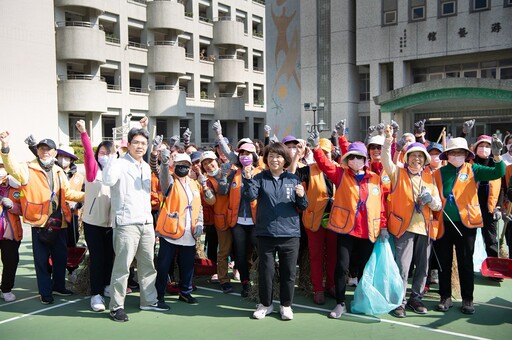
452,223
441,134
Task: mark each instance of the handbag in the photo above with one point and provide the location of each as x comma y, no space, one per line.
50,231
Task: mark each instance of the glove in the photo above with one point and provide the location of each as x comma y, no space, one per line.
198,231
217,128
267,130
202,179
334,133
380,128
425,197
400,144
30,140
340,127
6,202
186,136
165,155
467,126
395,127
157,141
384,234
314,139
496,145
371,128
225,168
173,140
419,127
496,215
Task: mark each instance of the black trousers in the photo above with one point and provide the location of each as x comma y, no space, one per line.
101,256
10,260
464,248
345,249
489,232
287,248
211,242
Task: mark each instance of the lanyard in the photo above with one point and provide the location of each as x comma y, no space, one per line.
415,195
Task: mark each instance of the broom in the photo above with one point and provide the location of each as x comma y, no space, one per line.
455,267
503,251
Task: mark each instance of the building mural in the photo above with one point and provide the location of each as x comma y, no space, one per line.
283,67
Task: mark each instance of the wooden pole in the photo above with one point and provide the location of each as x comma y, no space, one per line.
441,134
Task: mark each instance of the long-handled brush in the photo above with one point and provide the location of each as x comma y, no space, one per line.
506,219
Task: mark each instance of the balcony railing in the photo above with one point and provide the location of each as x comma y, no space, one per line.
258,68
138,1
137,45
227,95
166,87
80,77
205,19
137,90
78,24
166,42
112,39
113,87
228,18
261,2
224,57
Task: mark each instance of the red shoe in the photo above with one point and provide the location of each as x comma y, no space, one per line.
425,290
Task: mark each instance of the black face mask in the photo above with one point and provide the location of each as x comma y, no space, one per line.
181,170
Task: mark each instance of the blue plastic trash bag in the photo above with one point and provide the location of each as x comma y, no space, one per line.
381,289
479,254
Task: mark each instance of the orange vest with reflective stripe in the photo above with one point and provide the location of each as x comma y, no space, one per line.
220,208
76,183
36,196
402,204
494,193
466,198
235,193
318,199
157,197
344,209
9,219
171,221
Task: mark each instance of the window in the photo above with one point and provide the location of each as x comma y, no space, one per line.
417,10
507,3
364,86
506,69
204,131
447,8
480,5
389,12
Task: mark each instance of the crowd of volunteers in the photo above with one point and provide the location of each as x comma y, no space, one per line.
146,206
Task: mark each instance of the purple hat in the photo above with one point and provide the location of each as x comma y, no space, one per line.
417,147
289,139
356,148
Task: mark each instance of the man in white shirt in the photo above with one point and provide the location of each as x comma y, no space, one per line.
130,180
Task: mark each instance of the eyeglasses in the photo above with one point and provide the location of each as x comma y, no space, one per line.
375,147
139,142
351,157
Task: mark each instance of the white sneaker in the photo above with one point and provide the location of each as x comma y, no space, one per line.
214,278
97,303
262,311
352,281
106,291
338,311
8,297
286,313
236,274
434,276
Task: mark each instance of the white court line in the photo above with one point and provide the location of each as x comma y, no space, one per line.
20,300
41,310
371,318
492,305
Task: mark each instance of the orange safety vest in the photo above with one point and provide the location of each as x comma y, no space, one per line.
402,205
171,221
76,183
36,196
344,209
466,198
508,174
235,194
494,193
220,208
9,219
318,199
157,197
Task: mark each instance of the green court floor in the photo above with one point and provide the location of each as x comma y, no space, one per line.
227,316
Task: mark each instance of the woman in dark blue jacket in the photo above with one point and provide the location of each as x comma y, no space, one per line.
280,197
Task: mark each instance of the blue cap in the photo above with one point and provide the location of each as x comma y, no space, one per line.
436,146
195,156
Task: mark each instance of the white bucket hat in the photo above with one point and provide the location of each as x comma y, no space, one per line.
454,144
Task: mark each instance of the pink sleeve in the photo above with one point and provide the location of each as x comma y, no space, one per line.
330,169
344,143
91,166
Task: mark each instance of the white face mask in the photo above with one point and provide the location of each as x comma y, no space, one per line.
483,151
356,164
47,162
213,173
103,160
293,151
434,160
65,162
456,161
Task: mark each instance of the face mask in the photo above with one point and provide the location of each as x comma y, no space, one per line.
3,175
103,160
356,164
434,160
483,152
509,148
65,162
293,151
181,170
47,162
245,160
456,161
213,173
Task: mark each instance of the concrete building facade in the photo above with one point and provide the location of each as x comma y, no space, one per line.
182,63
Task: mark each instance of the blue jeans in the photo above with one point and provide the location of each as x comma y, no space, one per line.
56,280
166,254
